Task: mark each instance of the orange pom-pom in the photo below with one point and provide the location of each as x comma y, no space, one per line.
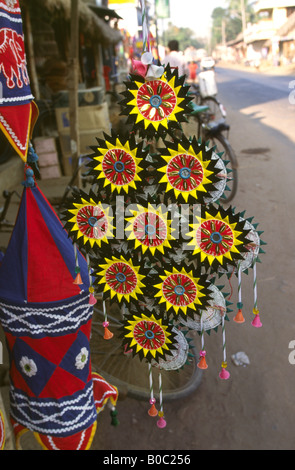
239,317
78,279
202,364
153,410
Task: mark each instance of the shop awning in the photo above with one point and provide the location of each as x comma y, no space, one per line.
90,23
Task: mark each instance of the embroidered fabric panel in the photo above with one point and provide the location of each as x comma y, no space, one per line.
54,417
15,85
46,319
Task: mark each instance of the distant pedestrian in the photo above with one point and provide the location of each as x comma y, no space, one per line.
192,66
175,58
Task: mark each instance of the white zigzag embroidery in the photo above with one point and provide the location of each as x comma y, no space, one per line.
12,134
85,412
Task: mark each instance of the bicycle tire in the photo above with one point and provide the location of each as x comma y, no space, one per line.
229,156
128,373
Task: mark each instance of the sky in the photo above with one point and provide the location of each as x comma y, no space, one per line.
194,14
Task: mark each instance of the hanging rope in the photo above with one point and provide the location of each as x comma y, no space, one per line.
145,31
161,423
256,321
202,364
239,316
224,374
152,411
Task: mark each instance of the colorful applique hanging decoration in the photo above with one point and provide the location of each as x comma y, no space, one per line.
88,221
46,318
182,292
155,105
218,238
116,163
18,111
173,237
148,230
119,279
190,170
149,336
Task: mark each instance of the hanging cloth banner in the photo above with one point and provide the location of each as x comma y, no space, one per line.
18,112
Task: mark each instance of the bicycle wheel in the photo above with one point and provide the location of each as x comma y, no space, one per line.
229,157
215,112
128,373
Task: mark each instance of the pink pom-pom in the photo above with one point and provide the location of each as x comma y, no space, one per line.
224,374
161,423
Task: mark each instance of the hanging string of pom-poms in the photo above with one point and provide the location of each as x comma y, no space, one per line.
224,374
239,318
202,364
78,279
153,410
107,333
161,423
256,322
92,299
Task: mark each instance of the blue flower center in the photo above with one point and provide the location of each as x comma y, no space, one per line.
149,334
156,101
179,290
120,277
216,237
149,229
185,173
119,167
92,221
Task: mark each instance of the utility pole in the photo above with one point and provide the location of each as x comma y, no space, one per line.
73,88
244,25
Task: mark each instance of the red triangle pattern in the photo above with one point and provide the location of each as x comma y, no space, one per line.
19,382
15,123
52,348
48,277
61,384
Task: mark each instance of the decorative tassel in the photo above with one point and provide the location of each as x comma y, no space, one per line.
114,413
153,410
107,333
78,279
256,322
92,299
239,316
224,374
161,423
202,364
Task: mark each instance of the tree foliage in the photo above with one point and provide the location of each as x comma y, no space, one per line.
185,36
227,23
